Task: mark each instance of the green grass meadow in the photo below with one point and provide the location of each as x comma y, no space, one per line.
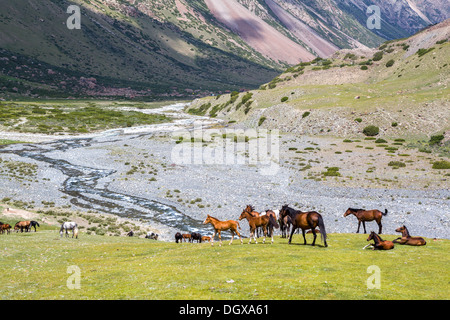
35,266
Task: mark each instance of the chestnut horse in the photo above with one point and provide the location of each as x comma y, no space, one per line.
379,244
304,221
367,215
407,239
22,225
263,221
5,227
220,226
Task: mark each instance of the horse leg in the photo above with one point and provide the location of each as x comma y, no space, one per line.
212,238
232,237
364,225
265,234
292,233
315,236
220,239
304,236
359,225
380,227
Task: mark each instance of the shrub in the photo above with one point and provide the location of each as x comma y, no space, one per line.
305,114
284,99
332,172
394,124
436,139
397,164
364,68
379,140
441,164
390,63
378,56
371,130
358,120
421,52
261,121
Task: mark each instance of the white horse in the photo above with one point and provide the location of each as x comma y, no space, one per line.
69,226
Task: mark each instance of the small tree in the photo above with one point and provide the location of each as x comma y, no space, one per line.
390,63
371,131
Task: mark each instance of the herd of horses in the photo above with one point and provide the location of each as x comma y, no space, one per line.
287,219
21,225
290,220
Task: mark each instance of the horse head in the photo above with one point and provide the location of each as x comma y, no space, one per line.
207,220
244,214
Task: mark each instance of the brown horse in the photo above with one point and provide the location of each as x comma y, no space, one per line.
367,215
220,226
22,225
379,244
260,221
187,237
304,221
407,239
5,227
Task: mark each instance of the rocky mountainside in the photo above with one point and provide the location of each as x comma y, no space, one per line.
402,87
183,48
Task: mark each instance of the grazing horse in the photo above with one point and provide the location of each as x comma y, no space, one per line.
69,226
22,225
206,239
152,235
220,226
178,237
34,224
407,239
196,236
5,227
379,244
367,215
187,237
261,221
304,221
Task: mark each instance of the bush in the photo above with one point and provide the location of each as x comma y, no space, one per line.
379,140
261,121
378,56
436,139
364,68
305,114
371,131
284,99
390,63
441,164
397,164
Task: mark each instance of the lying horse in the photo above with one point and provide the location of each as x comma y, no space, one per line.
367,215
69,226
407,239
379,244
152,235
305,221
220,226
22,225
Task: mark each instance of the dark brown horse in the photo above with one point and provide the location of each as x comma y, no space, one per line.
304,221
380,244
22,225
220,226
261,221
367,215
407,239
178,237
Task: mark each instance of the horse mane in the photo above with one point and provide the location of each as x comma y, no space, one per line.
407,231
354,209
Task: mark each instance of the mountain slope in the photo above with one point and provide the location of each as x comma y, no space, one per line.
183,48
402,87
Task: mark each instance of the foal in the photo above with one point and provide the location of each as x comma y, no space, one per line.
261,221
379,244
407,239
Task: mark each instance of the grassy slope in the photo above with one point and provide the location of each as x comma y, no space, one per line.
413,85
136,268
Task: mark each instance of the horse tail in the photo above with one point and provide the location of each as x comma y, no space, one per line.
239,226
37,223
385,212
323,233
273,222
